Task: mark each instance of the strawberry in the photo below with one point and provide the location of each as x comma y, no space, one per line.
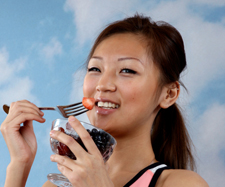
88,102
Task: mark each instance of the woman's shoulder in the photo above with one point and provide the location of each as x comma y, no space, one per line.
184,178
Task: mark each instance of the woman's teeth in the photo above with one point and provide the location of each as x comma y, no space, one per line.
107,105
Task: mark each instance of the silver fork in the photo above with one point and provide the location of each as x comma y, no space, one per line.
66,111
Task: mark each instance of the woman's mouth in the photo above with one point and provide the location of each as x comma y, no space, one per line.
107,105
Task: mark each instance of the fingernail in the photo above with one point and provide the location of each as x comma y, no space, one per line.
72,118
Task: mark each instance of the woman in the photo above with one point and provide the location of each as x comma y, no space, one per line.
135,64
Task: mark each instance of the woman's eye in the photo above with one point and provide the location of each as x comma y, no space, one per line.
125,70
93,69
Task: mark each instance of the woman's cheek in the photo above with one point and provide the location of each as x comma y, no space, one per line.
88,87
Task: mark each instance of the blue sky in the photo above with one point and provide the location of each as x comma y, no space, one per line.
44,44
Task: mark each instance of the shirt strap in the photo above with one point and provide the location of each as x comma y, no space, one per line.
156,175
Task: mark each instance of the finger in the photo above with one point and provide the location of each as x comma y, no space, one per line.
73,145
14,124
76,177
84,135
19,109
23,117
69,169
24,102
26,105
70,175
63,169
63,160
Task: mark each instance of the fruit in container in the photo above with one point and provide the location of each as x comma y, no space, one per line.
103,141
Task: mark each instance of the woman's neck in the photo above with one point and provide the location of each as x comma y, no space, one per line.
131,154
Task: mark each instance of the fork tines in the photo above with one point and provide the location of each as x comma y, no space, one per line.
74,109
77,112
72,105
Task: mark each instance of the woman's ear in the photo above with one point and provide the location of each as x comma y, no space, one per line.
170,94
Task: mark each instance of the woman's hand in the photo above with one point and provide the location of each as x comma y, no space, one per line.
20,140
89,168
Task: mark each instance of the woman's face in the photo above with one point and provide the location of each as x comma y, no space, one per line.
124,81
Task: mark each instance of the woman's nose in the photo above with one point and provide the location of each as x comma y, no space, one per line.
106,84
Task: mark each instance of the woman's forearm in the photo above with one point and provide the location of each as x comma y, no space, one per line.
17,174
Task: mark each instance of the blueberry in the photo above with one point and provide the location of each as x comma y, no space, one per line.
89,131
103,139
98,138
94,132
107,137
102,149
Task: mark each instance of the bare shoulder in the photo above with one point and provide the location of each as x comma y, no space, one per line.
48,184
184,178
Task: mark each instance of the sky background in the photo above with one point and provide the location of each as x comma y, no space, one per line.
44,45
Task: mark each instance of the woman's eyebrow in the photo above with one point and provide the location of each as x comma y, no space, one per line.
119,59
97,57
129,58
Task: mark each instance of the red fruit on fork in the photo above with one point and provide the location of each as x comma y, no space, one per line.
88,102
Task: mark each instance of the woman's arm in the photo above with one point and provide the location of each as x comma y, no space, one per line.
16,174
20,140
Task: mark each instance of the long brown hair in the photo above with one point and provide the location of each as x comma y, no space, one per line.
170,140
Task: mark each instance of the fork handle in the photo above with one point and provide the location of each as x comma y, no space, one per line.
6,108
46,108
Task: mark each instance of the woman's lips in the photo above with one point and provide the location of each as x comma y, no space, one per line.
105,106
105,111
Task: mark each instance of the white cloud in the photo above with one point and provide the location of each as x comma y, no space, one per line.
205,54
19,88
91,16
77,91
51,49
210,2
46,21
12,86
77,87
223,21
209,141
7,70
